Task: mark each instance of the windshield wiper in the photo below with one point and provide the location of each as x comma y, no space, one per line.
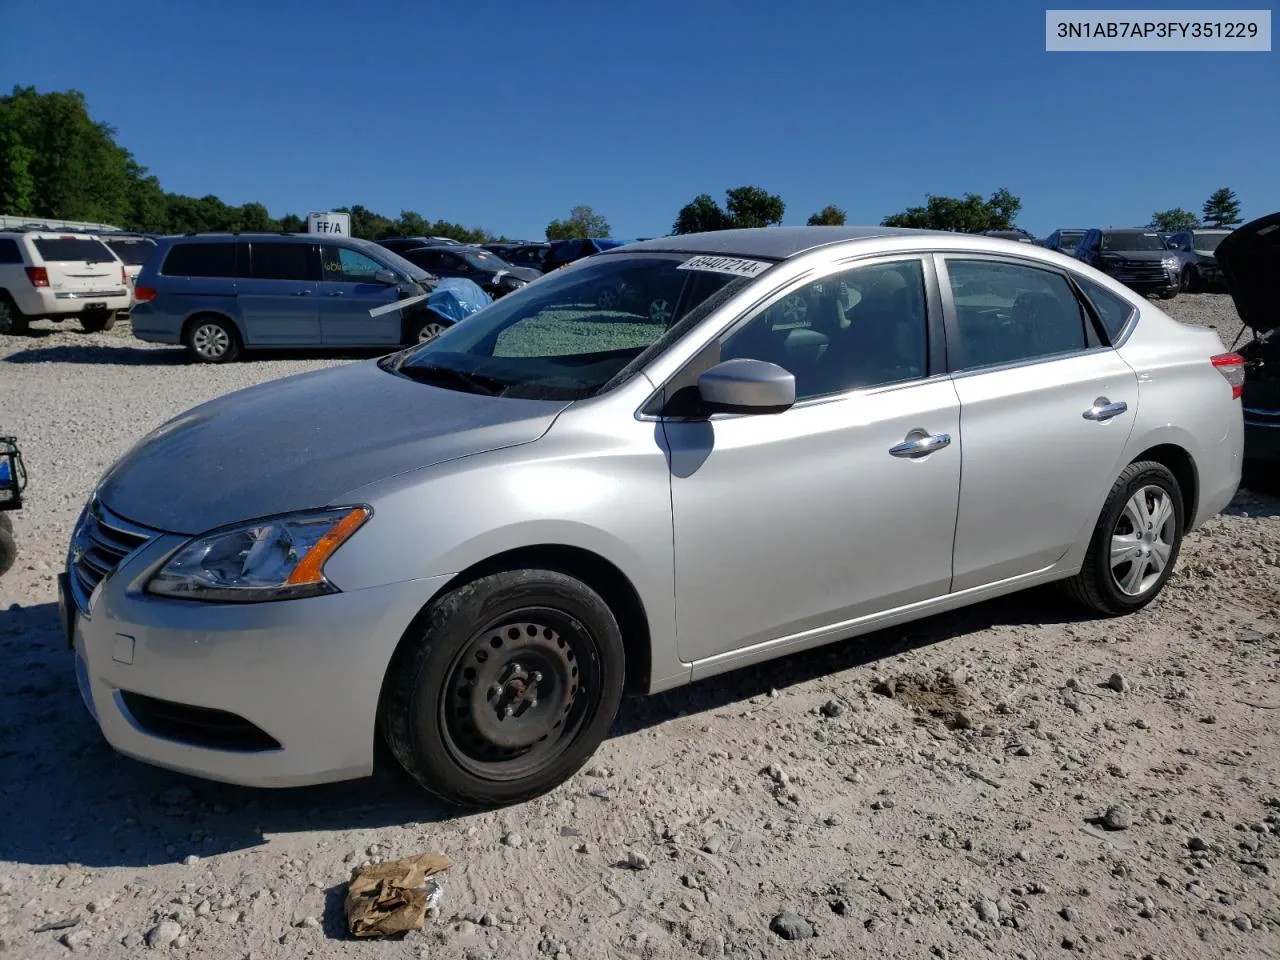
433,373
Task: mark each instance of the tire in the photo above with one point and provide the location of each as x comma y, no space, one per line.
12,320
8,550
212,340
1126,586
1168,294
425,329
98,322
537,642
5,522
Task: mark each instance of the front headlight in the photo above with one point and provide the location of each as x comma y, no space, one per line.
278,559
1169,263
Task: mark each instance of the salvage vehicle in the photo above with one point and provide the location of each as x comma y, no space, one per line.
219,294
493,274
561,253
474,547
1195,251
59,275
1137,258
13,479
1064,240
531,255
1249,258
400,244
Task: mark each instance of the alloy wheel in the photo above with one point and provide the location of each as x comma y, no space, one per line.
210,341
430,331
1142,541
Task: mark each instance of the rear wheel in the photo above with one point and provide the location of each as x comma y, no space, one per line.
98,322
1135,543
212,340
12,320
508,686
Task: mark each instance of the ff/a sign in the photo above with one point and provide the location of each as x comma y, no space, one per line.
334,224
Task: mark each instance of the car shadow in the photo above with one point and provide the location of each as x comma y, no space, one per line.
71,799
107,354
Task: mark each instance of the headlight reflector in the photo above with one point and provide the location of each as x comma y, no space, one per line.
277,559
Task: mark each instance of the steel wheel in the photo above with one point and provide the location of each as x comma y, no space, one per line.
517,694
1142,541
210,341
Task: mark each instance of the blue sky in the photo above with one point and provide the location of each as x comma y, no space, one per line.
504,115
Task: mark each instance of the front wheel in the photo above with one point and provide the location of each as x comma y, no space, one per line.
427,328
505,689
1135,543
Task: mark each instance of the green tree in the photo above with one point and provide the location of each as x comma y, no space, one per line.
292,223
1171,221
1222,209
581,222
967,214
700,215
744,207
828,216
17,183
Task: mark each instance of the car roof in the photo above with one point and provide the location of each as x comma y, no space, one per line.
771,243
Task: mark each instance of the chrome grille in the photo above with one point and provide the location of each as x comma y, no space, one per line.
1141,270
100,542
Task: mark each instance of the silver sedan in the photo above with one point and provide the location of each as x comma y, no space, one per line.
476,546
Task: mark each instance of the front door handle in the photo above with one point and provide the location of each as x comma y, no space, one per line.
921,446
337,293
1104,409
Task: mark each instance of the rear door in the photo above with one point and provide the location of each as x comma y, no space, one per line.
348,291
279,299
1046,409
80,268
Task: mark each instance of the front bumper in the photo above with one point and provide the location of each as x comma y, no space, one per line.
306,673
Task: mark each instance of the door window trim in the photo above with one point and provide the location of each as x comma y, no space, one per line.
1095,333
708,355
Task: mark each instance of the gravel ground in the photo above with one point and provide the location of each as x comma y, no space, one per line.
1013,780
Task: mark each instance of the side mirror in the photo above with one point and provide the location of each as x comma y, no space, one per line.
747,386
387,277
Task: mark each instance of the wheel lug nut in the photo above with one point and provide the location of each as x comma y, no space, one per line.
495,689
509,711
533,703
537,676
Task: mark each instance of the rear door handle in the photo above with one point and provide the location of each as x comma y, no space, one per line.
921,446
301,293
1104,409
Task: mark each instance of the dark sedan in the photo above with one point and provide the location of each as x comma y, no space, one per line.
1137,258
493,274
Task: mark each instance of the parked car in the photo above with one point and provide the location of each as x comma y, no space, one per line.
493,274
1016,234
1249,259
59,275
1064,240
561,253
13,479
400,244
474,547
532,256
1137,258
221,293
133,249
1195,252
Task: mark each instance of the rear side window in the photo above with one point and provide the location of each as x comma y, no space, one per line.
201,260
1113,310
283,261
132,252
9,252
56,249
1008,312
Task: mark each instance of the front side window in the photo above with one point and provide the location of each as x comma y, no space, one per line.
282,261
344,265
572,333
1009,312
864,327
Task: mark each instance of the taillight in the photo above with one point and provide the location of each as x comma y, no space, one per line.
38,276
1231,366
124,275
144,293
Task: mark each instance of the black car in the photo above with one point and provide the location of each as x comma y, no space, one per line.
1064,240
401,244
1137,258
494,275
531,255
1249,259
561,253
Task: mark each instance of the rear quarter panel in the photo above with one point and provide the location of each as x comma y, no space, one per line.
177,300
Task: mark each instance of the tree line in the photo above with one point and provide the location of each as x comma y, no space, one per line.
1221,210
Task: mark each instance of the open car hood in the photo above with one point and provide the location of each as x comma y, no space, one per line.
1249,259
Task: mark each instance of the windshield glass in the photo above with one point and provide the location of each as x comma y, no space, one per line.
397,262
568,334
1069,239
1207,242
133,252
486,261
1132,241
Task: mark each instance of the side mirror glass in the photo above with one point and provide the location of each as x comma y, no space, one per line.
747,386
387,277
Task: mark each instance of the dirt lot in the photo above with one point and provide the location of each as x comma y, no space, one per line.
1014,780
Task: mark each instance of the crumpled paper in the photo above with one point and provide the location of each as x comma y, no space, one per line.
384,899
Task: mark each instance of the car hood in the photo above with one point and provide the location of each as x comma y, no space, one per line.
520,273
305,441
1249,258
1139,256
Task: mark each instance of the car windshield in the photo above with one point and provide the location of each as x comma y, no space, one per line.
486,261
1207,242
1132,241
132,252
568,335
1069,239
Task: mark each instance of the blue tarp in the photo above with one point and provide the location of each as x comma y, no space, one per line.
456,298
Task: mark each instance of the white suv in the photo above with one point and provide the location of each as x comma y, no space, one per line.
47,273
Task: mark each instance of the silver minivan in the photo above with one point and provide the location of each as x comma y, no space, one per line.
474,547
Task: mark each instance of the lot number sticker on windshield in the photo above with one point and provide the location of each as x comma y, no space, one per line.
732,265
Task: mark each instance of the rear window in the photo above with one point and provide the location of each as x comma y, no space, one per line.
9,252
201,260
132,252
1114,311
56,249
